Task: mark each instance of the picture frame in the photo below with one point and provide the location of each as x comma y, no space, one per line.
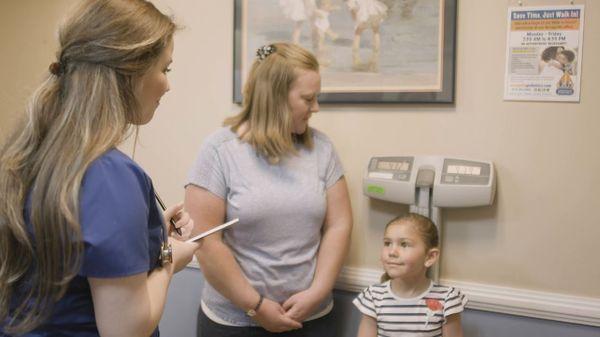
414,62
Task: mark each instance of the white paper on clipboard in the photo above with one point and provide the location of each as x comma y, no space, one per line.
213,230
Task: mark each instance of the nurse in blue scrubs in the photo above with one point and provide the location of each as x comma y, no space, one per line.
84,250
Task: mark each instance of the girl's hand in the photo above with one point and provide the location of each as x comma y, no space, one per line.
183,221
272,317
301,305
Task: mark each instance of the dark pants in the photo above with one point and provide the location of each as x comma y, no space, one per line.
320,327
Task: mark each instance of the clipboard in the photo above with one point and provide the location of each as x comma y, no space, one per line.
213,230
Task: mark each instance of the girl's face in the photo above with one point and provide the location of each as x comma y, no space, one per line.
302,99
153,85
404,252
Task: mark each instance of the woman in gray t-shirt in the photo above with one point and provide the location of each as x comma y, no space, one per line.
274,271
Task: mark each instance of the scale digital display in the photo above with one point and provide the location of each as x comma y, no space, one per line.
391,168
465,172
390,165
464,169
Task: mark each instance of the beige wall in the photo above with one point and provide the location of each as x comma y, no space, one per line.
542,232
28,35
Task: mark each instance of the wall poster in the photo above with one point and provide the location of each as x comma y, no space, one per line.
543,53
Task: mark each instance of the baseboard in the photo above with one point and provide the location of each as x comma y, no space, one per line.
514,301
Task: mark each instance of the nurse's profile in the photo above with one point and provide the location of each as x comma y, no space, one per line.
84,250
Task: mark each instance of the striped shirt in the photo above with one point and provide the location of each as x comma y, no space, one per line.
421,316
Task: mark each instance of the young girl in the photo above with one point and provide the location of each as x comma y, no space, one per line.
367,14
299,11
407,303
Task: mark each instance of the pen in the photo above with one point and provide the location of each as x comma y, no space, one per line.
164,208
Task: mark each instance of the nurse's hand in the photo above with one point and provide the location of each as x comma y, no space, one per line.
302,305
183,253
182,219
271,316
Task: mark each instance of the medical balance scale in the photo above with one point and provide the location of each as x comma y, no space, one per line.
429,183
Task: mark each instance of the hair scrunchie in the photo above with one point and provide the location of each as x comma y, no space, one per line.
57,68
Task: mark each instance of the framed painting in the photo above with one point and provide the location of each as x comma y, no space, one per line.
369,51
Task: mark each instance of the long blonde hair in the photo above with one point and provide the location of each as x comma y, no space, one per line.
76,115
265,105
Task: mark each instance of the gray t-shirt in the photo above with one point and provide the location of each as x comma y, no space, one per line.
281,210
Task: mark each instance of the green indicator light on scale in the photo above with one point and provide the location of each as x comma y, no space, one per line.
375,189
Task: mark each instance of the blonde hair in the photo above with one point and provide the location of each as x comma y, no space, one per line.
72,118
265,105
423,225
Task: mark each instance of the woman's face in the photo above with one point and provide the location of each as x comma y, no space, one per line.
302,99
562,58
153,85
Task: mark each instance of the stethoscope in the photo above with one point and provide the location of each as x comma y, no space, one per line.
166,250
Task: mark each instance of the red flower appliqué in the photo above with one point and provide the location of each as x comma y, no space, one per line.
434,305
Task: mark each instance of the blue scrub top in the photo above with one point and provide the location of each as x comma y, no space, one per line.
122,232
